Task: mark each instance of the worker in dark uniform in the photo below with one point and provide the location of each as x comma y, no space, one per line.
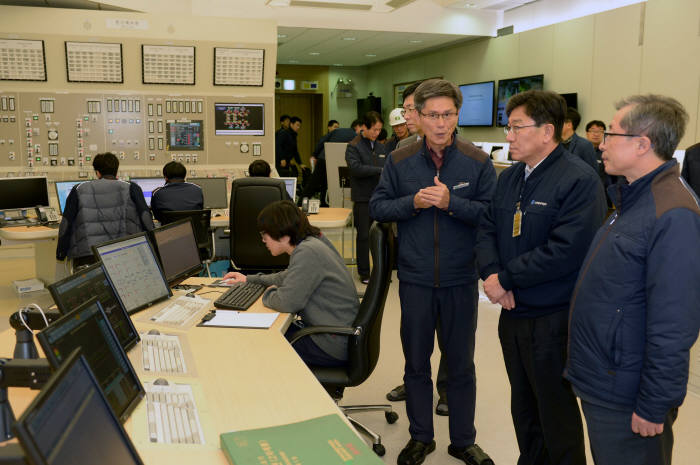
176,194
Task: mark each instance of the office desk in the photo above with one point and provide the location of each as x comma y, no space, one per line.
245,378
327,218
44,241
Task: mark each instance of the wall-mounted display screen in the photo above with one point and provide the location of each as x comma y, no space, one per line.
477,104
239,119
185,135
509,87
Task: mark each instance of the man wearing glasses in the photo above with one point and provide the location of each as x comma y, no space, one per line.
530,246
634,311
410,115
436,190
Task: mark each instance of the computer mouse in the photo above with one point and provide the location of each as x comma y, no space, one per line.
154,332
217,214
161,382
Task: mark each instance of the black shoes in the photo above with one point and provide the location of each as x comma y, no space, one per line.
471,455
397,394
441,407
415,452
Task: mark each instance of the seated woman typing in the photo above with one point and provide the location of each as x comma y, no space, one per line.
317,285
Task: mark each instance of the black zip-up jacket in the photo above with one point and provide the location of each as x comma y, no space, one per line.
365,165
562,204
436,247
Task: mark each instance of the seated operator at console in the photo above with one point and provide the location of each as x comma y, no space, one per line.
317,285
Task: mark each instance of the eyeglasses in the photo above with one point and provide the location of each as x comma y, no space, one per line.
516,129
596,131
608,134
406,110
436,116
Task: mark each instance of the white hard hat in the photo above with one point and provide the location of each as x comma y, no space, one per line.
396,117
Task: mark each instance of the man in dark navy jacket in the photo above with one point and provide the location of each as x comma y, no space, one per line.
365,158
436,190
177,194
635,309
530,246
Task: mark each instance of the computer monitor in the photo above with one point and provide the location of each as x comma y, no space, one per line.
291,185
133,271
477,104
88,329
20,193
63,188
148,185
185,135
239,119
214,190
71,292
178,251
509,87
71,422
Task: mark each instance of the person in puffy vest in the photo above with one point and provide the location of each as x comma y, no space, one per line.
100,210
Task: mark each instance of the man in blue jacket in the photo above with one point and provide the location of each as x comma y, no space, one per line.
436,190
530,246
635,309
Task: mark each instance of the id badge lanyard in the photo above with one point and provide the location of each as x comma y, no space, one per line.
518,215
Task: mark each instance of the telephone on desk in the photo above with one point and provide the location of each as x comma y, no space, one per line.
47,214
310,206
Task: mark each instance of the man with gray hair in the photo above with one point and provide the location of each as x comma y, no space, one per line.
634,310
436,190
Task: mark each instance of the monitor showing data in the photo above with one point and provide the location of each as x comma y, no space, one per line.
86,328
133,270
509,87
70,422
73,291
148,185
291,185
239,119
185,135
214,190
477,104
63,188
178,251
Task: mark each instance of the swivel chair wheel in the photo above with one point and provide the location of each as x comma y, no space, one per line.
379,449
391,417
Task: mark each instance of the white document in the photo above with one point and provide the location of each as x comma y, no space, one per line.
236,319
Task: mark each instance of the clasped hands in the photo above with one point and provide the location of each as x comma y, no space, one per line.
433,196
496,294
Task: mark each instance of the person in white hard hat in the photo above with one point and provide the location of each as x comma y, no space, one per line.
398,125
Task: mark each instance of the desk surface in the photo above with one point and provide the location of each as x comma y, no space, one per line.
27,233
245,378
326,218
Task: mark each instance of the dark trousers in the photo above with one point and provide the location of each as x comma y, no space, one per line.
545,413
613,442
309,352
317,182
360,215
456,310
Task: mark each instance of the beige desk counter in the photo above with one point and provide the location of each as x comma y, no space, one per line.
244,378
326,218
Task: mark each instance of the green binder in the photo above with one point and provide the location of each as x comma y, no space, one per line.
324,440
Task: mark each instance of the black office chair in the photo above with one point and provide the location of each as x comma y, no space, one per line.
248,197
364,335
203,233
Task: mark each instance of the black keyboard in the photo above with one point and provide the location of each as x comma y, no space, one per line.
240,296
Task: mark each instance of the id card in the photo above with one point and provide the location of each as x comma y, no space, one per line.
517,220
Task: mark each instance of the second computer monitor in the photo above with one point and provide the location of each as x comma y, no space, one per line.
178,251
70,422
214,191
63,188
71,292
148,185
20,193
86,328
291,185
133,270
